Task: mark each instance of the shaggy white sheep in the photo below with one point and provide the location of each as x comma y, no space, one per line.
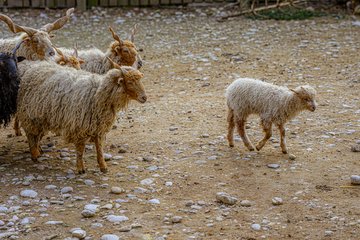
272,103
64,60
76,104
37,44
122,52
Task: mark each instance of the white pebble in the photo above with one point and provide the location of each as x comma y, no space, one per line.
50,187
225,198
116,218
256,226
109,237
355,179
117,190
147,181
89,182
277,201
154,201
78,233
28,193
245,203
66,190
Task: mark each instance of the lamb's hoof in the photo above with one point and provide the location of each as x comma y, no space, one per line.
81,171
104,170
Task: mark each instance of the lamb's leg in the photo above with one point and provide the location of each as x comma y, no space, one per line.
99,151
268,132
80,167
243,135
282,138
231,126
17,126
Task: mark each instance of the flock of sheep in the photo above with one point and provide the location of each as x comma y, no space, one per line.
78,94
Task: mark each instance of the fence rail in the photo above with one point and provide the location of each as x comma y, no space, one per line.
91,3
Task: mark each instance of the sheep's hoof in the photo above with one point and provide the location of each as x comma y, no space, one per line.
82,171
18,134
231,145
35,160
251,149
258,148
104,170
284,151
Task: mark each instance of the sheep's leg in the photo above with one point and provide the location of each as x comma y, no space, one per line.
100,155
268,132
243,135
17,126
231,126
34,146
80,167
282,138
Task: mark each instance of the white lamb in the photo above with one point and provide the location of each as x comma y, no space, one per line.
272,103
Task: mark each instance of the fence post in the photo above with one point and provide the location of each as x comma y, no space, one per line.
81,5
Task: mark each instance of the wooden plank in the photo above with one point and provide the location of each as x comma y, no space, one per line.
134,3
50,4
15,3
1,3
72,3
112,3
122,3
165,2
154,2
92,3
81,5
104,3
176,2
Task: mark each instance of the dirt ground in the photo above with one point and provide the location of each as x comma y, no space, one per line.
177,140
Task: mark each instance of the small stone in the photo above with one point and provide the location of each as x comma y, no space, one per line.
355,179
292,157
277,201
225,198
173,128
355,148
273,165
107,206
27,220
107,156
50,187
88,213
245,203
154,201
78,233
54,223
176,219
116,218
256,226
66,190
328,233
168,184
28,193
117,190
125,229
3,209
147,181
89,182
109,237
2,223
148,158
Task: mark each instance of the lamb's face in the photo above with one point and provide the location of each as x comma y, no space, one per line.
307,96
133,85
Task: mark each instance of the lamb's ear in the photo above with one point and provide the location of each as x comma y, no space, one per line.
20,59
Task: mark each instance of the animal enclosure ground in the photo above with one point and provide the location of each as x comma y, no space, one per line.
173,150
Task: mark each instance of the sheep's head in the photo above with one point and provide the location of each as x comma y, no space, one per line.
307,96
130,80
8,63
38,39
68,60
126,50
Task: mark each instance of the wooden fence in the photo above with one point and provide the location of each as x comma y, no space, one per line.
83,4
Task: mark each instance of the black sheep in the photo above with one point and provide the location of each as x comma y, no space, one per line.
9,85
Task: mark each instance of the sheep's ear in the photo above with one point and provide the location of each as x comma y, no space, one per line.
293,90
81,61
20,59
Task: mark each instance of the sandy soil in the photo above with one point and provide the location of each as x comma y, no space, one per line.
190,60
